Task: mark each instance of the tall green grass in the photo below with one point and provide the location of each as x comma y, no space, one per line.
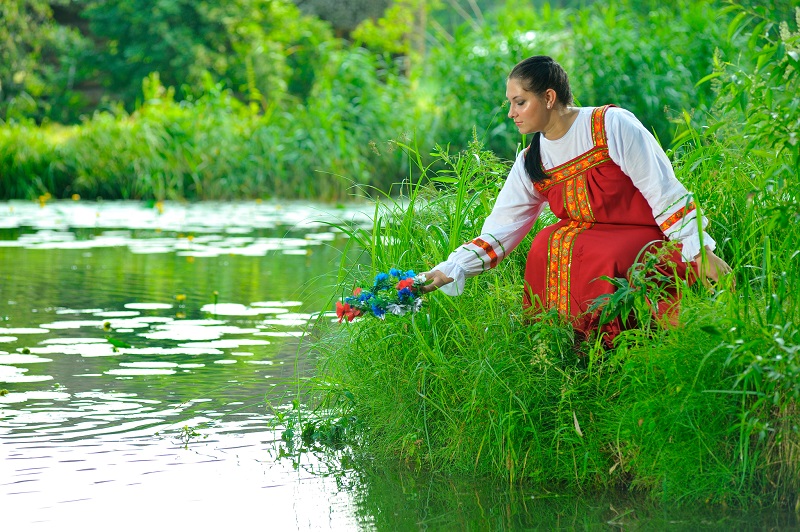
213,147
705,410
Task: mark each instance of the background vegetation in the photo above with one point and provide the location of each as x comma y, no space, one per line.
199,100
252,98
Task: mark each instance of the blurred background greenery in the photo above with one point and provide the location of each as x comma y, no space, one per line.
174,99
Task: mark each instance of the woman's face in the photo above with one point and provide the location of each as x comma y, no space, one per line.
528,111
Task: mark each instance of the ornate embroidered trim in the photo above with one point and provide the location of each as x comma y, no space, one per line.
590,159
677,215
599,126
597,155
685,199
576,200
559,259
485,246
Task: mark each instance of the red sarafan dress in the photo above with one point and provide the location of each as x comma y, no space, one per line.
604,225
615,194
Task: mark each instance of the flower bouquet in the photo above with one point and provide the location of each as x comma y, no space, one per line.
397,292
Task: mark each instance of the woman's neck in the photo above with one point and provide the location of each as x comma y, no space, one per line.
561,120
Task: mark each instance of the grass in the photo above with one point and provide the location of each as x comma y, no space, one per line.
703,411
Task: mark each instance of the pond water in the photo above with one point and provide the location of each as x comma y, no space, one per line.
143,349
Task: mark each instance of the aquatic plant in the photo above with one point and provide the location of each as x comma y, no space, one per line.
187,434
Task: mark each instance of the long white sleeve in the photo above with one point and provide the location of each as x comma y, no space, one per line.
514,213
637,152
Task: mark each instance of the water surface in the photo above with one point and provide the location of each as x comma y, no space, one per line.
144,350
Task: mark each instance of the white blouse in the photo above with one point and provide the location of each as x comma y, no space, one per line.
518,204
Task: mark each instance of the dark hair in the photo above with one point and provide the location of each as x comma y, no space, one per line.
537,74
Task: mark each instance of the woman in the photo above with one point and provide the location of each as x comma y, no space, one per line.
607,180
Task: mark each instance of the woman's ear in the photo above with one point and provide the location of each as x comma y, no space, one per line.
550,98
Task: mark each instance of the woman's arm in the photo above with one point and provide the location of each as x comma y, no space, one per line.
639,155
514,213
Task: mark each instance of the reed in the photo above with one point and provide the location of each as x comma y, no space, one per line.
702,411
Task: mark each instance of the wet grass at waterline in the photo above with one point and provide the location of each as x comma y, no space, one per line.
701,411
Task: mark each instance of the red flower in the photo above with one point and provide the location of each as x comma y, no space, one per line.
405,283
357,291
346,311
341,309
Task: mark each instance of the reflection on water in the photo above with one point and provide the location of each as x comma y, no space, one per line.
138,352
145,480
139,349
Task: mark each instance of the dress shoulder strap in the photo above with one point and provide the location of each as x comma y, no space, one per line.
599,125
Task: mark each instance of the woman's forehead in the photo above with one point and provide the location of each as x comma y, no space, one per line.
515,89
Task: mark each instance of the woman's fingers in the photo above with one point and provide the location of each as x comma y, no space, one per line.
436,280
714,268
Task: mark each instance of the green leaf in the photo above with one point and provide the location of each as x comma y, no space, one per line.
757,33
116,342
710,329
735,24
765,56
708,78
793,56
743,101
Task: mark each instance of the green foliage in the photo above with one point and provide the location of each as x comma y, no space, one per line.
40,63
647,64
245,44
762,89
757,172
213,147
638,297
701,410
323,115
60,61
392,31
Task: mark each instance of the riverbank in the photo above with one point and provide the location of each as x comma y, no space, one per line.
703,411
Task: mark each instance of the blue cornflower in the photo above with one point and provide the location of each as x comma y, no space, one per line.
404,294
381,277
394,272
365,296
378,311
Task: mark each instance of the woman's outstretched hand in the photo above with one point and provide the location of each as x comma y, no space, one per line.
711,267
436,279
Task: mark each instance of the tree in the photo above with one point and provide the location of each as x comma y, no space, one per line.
39,61
344,15
243,43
